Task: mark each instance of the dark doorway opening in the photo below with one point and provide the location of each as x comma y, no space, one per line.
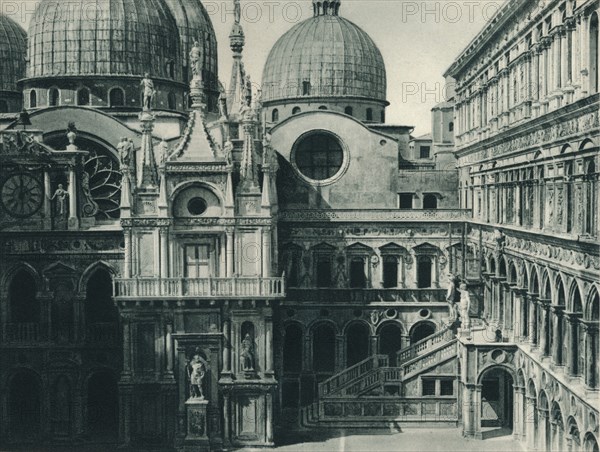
103,407
24,405
390,341
357,343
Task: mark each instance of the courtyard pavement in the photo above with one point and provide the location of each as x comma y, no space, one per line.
410,440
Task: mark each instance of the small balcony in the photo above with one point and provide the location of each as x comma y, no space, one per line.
210,288
325,295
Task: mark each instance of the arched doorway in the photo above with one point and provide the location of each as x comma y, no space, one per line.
323,350
292,349
558,429
420,331
102,407
390,340
357,343
573,435
497,395
545,437
24,407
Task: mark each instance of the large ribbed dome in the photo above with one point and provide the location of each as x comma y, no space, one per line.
194,24
335,56
13,50
103,37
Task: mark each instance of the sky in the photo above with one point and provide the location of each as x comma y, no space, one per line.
419,40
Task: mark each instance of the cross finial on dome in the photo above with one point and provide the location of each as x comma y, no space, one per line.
326,7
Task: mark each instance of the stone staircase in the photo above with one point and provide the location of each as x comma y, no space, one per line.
369,393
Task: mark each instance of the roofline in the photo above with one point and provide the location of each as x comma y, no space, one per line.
330,112
495,23
277,101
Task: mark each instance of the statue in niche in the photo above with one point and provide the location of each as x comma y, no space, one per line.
196,370
196,60
149,92
60,195
222,105
247,354
465,306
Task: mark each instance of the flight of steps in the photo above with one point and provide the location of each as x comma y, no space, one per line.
368,394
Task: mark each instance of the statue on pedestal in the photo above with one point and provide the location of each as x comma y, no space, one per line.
247,354
196,60
149,92
124,151
452,295
465,306
196,370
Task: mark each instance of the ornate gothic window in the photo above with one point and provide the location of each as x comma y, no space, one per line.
101,185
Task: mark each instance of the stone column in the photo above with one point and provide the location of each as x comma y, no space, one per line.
269,346
557,335
128,250
339,353
127,370
530,424
532,321
230,247
226,346
591,354
544,327
47,201
542,428
584,55
164,252
571,336
73,221
169,348
518,422
266,252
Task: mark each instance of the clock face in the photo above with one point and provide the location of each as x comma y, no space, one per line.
22,195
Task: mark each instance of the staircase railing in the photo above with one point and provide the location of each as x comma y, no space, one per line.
376,378
347,376
424,345
433,357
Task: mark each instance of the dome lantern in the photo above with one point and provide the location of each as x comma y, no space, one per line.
326,8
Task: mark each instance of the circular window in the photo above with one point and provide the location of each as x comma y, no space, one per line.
319,156
197,206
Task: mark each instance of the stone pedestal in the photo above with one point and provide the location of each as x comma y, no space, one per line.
196,439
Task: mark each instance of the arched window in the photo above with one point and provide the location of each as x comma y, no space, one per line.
323,349
24,307
32,99
172,101
116,97
348,110
594,53
296,110
322,107
369,114
306,88
451,127
382,116
101,315
171,69
430,201
275,115
83,96
53,97
3,106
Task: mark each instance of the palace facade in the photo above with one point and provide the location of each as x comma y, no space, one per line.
197,266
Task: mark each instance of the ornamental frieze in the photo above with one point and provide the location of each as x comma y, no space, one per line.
16,246
373,215
548,134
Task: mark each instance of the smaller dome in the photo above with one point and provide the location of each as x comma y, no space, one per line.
13,51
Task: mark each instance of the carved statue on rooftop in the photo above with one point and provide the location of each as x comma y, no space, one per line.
196,60
149,92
